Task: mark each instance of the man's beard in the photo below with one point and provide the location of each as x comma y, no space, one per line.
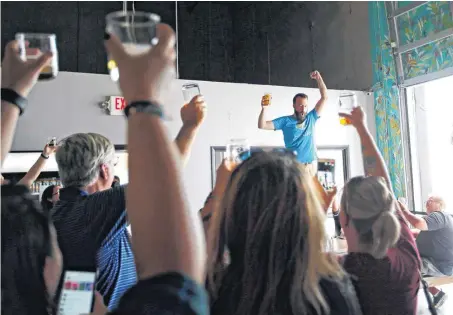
300,117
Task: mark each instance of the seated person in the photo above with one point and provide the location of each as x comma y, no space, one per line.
434,242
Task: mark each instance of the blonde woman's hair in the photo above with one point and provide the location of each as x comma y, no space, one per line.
271,222
370,206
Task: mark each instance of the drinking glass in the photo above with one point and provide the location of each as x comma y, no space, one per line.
266,100
189,91
52,141
238,150
37,45
347,102
136,30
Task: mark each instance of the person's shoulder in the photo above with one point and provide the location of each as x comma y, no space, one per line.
313,114
101,196
341,295
285,117
165,294
359,263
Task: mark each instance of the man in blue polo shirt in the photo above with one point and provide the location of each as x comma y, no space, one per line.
90,217
299,128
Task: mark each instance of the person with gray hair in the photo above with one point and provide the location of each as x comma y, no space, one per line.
382,254
90,217
434,242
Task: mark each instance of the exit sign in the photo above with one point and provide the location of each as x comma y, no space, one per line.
117,105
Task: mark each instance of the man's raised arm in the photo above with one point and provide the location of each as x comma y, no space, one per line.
315,75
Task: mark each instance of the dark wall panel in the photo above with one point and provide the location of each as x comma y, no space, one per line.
205,41
251,39
290,43
92,55
277,43
59,18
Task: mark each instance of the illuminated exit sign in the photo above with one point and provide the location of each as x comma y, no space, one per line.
117,105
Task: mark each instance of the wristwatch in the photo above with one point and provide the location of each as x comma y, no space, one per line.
12,97
143,107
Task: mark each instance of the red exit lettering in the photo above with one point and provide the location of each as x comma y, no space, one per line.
120,103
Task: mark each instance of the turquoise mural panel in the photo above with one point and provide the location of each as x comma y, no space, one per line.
428,19
386,96
429,58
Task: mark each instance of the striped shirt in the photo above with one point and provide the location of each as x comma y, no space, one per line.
92,234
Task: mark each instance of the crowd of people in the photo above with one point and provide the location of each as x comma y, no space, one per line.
256,247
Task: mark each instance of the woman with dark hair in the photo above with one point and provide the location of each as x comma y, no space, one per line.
269,219
29,238
49,197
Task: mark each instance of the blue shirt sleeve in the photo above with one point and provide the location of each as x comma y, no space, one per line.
313,114
280,123
436,221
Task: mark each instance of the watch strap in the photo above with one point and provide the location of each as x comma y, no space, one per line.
44,156
12,97
147,107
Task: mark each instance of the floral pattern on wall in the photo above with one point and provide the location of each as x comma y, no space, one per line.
386,96
429,58
428,19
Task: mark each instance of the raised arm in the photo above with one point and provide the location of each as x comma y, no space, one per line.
373,162
192,116
415,221
315,75
168,237
262,122
18,78
36,169
223,176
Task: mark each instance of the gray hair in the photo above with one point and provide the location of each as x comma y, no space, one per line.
370,206
80,156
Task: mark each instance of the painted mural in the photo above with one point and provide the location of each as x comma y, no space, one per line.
428,19
428,58
386,96
424,21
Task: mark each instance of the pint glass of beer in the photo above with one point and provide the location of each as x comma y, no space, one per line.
266,100
347,102
33,45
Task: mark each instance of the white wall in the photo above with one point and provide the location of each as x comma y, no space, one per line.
69,104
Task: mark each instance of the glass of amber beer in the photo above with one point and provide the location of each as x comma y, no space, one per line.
266,100
347,102
33,45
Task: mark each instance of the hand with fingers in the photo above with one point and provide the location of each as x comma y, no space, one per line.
99,307
19,75
49,149
143,77
356,117
194,113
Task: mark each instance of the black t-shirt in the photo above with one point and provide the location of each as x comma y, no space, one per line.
339,294
437,242
165,294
